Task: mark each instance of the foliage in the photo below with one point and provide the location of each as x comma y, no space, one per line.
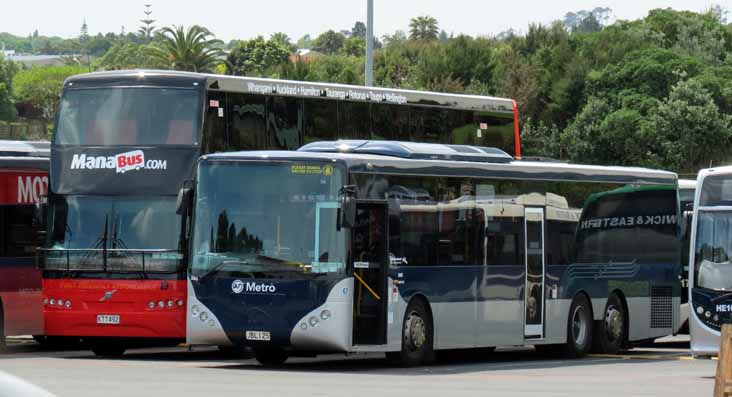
257,56
358,29
423,28
329,42
191,49
126,55
7,110
39,87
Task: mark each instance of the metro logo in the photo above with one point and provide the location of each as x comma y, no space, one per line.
121,163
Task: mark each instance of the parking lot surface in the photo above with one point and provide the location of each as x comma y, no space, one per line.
662,369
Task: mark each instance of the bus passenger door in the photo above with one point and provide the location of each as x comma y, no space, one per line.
534,291
369,253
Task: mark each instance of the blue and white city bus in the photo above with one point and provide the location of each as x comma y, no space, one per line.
710,270
409,248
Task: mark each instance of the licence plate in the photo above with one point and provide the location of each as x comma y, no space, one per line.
258,335
107,318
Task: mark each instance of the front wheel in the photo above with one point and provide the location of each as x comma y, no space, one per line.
611,334
417,346
579,328
108,351
270,357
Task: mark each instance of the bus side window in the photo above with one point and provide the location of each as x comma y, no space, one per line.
214,125
247,122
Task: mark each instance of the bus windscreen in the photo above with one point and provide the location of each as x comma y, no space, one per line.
129,116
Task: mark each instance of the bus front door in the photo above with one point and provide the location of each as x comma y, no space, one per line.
534,291
369,264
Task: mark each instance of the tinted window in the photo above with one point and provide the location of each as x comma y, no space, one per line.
247,122
321,120
389,122
354,120
17,237
129,116
215,136
284,122
716,190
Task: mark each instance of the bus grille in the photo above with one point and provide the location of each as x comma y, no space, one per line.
661,307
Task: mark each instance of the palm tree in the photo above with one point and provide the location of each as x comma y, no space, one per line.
423,28
191,50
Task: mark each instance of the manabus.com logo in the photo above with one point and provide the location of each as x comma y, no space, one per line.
123,162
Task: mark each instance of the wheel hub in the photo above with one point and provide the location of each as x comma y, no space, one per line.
613,323
415,331
579,328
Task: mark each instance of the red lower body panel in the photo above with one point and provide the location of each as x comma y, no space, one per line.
20,296
115,308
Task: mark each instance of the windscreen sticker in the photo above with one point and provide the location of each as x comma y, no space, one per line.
325,170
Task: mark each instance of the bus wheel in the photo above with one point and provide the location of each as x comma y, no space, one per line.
610,335
416,335
270,357
579,328
108,350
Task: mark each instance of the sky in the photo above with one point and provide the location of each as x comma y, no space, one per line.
243,19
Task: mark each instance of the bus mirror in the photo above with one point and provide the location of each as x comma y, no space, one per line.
347,213
183,203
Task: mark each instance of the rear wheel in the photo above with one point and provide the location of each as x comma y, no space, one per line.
611,334
579,328
271,357
108,350
417,347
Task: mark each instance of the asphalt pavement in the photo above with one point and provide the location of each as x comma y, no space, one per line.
662,369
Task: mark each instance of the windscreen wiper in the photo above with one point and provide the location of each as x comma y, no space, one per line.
218,267
721,297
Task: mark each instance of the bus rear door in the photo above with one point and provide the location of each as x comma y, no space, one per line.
534,291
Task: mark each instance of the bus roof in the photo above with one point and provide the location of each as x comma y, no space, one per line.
687,183
24,155
255,85
377,163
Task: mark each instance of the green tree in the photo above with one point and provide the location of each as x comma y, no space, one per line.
355,46
358,30
423,28
39,87
148,28
256,56
690,130
193,49
284,40
329,42
7,108
128,55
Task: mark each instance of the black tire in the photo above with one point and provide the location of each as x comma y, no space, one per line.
3,345
611,333
579,328
40,339
108,350
270,357
417,335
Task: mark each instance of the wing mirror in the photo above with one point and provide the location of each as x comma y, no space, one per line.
347,212
185,198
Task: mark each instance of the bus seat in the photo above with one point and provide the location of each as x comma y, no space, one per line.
180,132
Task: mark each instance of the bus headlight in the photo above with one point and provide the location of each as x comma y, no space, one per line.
211,323
52,302
45,301
171,303
67,304
194,311
151,305
161,304
708,314
325,314
203,316
180,302
303,326
700,310
313,321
